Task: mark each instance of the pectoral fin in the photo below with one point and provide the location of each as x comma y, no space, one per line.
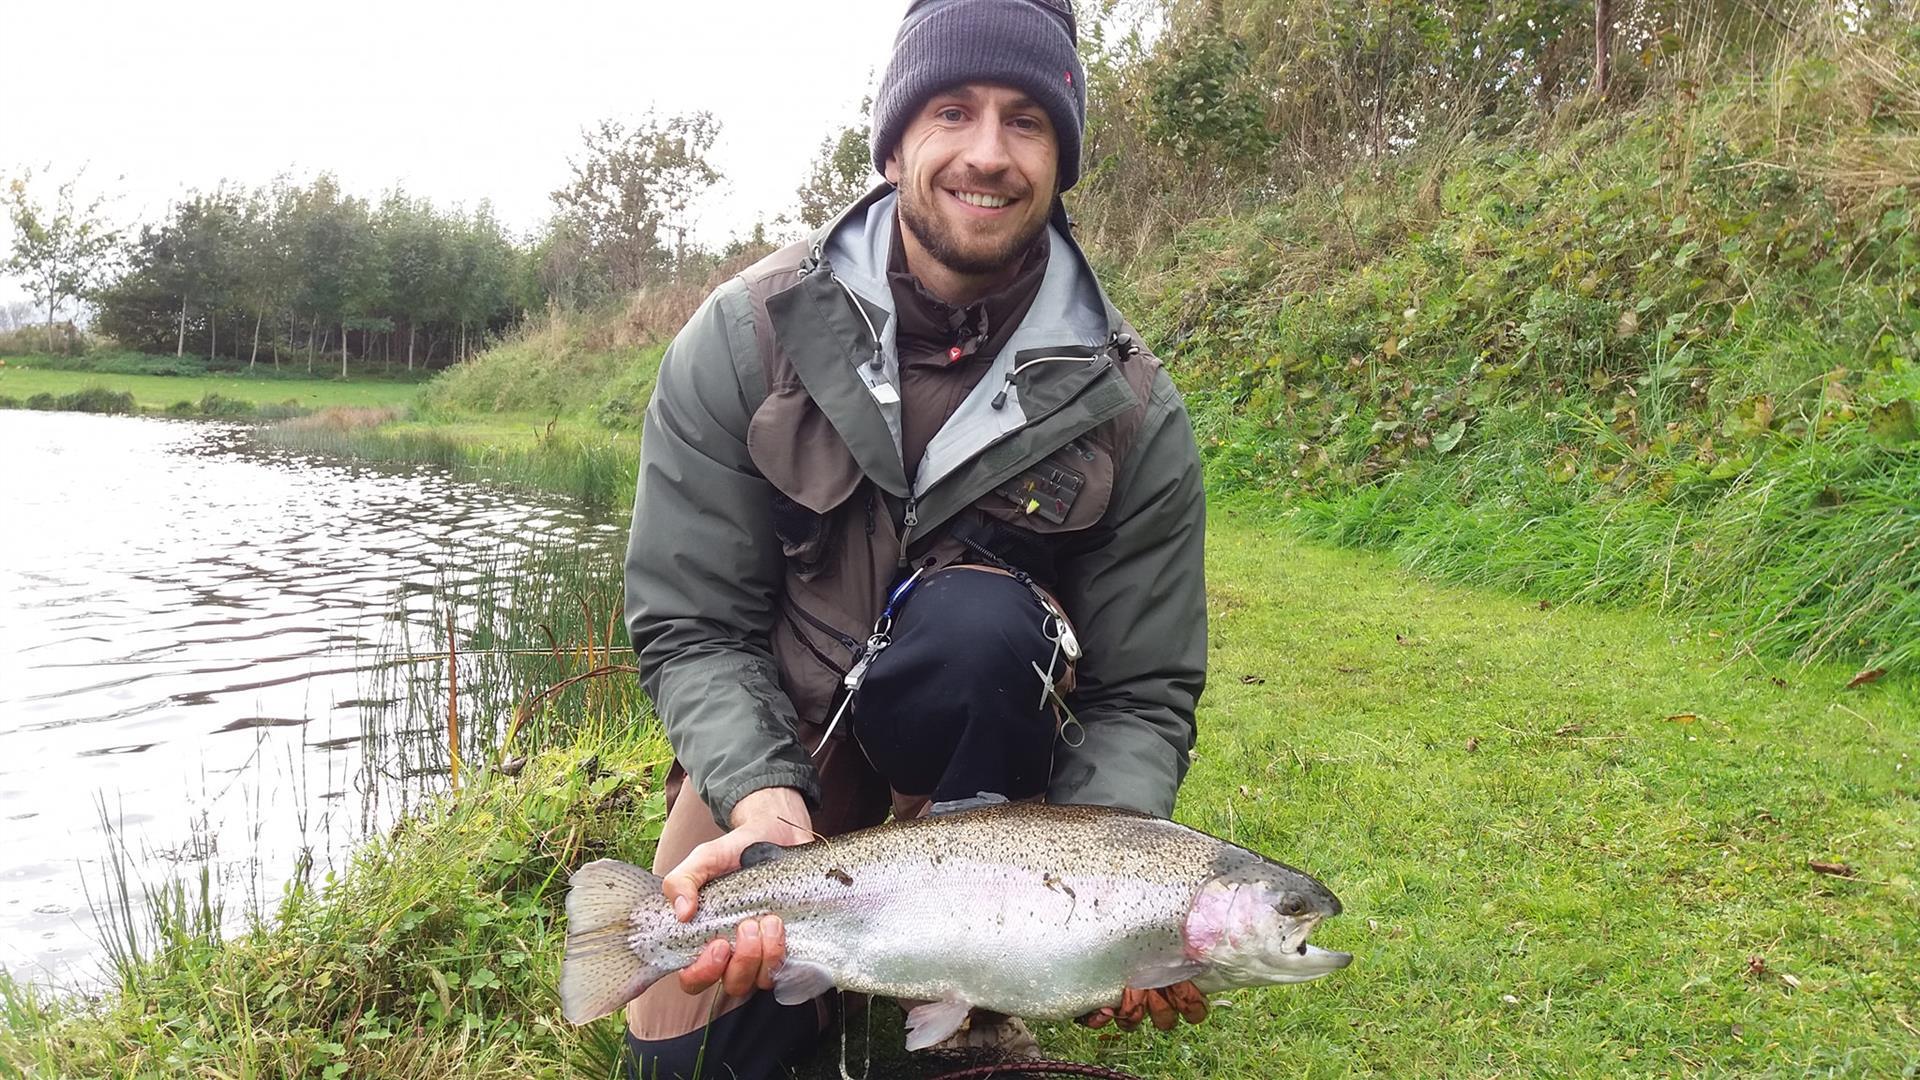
1155,976
797,981
930,1023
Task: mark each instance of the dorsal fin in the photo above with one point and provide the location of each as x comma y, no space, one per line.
955,806
761,852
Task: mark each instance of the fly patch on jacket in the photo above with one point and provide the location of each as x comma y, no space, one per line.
1046,490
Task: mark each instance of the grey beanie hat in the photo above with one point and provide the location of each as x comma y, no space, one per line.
1027,44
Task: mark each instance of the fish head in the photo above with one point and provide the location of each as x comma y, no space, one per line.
1249,925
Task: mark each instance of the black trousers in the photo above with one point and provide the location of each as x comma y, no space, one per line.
952,708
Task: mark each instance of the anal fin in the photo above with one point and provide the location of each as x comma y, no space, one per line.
933,1022
797,981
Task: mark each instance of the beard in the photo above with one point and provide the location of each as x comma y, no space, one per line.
944,243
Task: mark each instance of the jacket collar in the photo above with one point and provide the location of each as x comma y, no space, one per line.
856,243
831,320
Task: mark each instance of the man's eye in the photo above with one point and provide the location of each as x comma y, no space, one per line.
1026,123
951,115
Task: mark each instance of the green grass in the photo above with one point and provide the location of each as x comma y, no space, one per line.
555,407
1562,836
157,393
567,456
1667,355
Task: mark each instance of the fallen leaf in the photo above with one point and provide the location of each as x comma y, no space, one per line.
1568,729
1509,999
1756,966
1252,680
1865,677
1682,718
1790,980
1473,745
1545,604
1739,1032
1831,869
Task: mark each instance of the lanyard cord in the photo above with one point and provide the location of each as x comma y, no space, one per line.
876,643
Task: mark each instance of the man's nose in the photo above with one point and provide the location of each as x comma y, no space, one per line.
986,150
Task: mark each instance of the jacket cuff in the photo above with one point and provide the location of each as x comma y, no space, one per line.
776,774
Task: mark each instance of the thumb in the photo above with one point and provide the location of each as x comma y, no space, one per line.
704,863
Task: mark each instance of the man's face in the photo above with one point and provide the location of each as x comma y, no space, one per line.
976,169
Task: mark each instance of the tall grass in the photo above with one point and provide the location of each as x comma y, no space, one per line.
1665,356
595,466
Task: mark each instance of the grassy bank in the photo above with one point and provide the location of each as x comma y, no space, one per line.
1570,842
556,407
1665,356
25,380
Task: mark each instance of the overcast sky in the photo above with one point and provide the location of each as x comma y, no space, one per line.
457,102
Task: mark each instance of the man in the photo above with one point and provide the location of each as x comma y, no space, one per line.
917,519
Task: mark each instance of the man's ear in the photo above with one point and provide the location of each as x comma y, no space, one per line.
892,171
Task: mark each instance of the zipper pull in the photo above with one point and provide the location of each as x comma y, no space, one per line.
913,512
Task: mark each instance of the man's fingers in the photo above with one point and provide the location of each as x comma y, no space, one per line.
1161,1009
1098,1018
706,968
773,951
744,969
1188,1001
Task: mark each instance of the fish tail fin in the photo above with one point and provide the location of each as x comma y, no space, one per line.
602,970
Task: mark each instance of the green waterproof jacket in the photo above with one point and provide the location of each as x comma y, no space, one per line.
773,514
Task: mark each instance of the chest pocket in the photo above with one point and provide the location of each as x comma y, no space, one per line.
1067,491
802,455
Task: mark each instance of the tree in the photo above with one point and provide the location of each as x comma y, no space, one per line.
629,190
841,172
1602,45
64,251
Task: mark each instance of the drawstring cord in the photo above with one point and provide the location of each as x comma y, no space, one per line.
861,308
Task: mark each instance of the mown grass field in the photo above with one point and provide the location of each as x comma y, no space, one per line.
1570,842
158,392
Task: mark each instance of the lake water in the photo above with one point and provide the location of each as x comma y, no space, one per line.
187,624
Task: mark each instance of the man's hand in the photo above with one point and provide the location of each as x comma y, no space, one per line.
777,815
1165,1006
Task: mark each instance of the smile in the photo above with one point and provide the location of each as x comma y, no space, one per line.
985,202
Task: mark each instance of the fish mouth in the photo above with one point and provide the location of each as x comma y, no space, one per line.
1311,962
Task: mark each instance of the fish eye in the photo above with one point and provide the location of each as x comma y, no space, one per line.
1302,950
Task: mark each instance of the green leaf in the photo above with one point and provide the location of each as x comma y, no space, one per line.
482,979
1895,422
1450,438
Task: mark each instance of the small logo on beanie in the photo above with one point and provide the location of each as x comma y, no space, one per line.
1069,78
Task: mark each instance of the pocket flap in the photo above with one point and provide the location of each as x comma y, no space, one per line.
799,451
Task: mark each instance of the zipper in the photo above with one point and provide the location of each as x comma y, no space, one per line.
912,517
826,628
820,657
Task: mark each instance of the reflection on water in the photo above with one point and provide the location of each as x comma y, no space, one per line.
182,623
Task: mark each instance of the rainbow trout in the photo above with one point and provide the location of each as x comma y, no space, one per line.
1022,908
